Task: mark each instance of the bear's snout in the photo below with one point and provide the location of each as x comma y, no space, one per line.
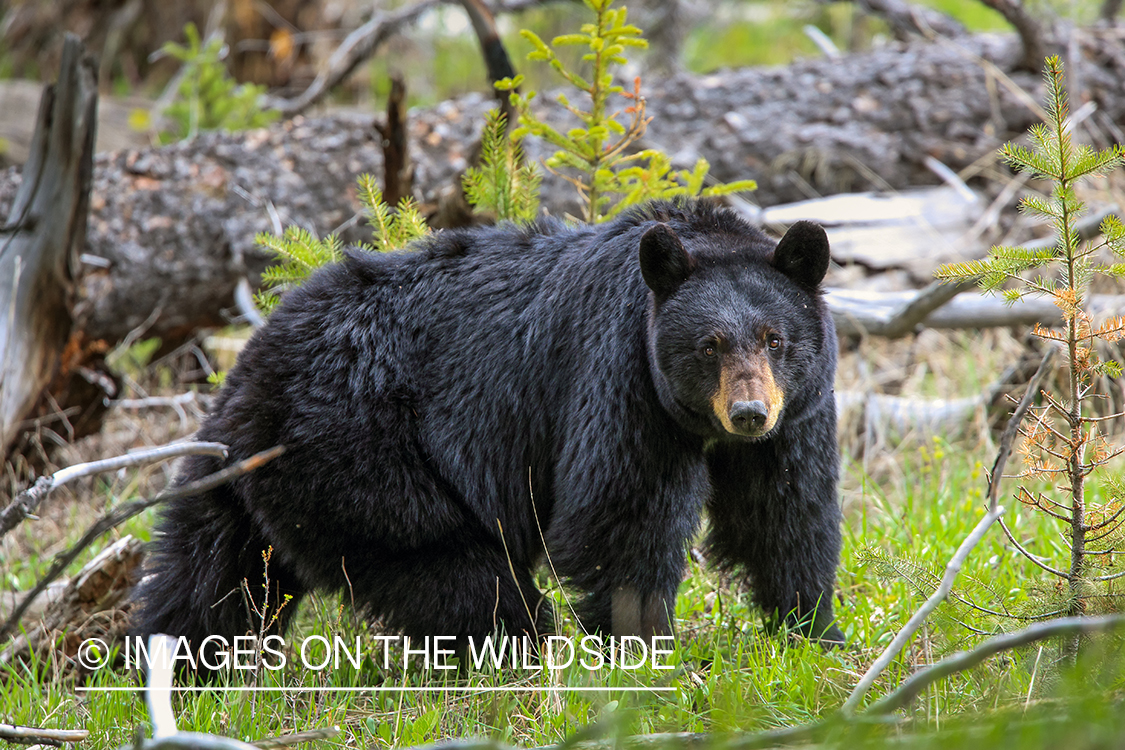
749,417
749,400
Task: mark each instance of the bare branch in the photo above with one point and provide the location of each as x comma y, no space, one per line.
959,662
1029,556
1031,33
356,47
919,617
27,501
1109,576
995,510
124,512
32,735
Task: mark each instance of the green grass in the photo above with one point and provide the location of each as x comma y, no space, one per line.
770,32
730,674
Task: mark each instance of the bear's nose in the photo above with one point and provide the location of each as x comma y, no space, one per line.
749,416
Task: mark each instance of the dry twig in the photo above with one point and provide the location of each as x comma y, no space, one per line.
124,512
31,735
27,501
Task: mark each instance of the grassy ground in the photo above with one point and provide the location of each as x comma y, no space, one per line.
905,516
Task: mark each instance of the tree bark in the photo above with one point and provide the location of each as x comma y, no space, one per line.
40,353
398,177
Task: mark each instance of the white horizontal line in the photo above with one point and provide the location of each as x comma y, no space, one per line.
382,689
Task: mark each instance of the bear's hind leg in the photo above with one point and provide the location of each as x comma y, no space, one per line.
455,588
193,584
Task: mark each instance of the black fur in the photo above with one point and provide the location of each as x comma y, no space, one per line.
426,396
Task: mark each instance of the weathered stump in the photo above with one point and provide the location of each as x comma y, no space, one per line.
41,362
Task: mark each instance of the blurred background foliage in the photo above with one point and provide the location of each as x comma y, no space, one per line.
282,43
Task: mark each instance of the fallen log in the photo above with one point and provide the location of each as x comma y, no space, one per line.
861,313
171,229
89,606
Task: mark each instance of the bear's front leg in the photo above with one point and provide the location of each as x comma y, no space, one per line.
625,544
774,516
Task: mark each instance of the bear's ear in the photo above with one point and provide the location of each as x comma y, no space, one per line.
802,254
665,264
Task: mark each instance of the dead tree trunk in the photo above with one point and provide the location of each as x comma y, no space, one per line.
39,248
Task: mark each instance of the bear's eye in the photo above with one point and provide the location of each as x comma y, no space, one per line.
713,346
773,341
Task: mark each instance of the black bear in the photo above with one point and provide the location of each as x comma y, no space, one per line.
455,411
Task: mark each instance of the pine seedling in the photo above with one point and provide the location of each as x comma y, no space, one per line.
505,183
391,228
208,98
301,253
1064,443
596,156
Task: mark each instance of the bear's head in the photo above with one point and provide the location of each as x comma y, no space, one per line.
739,337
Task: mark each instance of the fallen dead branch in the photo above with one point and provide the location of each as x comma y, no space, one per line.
32,735
88,607
907,632
28,501
124,512
944,305
897,314
792,735
959,662
995,510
